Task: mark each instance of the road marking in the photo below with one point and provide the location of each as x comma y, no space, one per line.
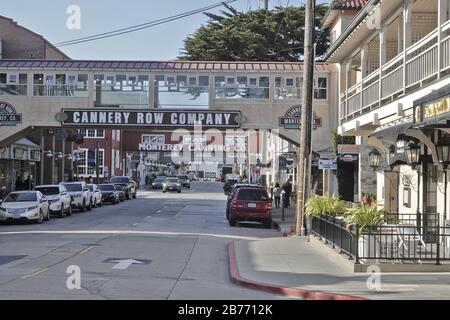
35,273
128,232
86,250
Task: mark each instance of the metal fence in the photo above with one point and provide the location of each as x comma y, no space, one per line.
413,238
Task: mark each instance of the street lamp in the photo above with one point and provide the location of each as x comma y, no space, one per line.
374,159
49,154
443,151
390,154
412,152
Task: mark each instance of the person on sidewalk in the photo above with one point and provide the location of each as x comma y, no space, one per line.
287,188
277,195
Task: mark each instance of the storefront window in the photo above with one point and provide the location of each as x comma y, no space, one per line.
14,84
288,88
242,87
124,90
183,91
320,88
60,85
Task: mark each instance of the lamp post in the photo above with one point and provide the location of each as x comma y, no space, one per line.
374,159
443,152
412,152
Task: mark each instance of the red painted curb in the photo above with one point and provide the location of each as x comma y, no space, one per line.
305,294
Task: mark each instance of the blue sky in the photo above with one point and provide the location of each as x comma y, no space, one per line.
48,17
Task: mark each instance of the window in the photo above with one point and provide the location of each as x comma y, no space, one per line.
181,91
320,88
154,139
242,87
13,84
92,133
288,88
88,159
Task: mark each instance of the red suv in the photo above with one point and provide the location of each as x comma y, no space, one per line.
251,204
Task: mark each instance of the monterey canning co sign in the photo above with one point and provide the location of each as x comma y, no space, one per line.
164,119
293,119
9,115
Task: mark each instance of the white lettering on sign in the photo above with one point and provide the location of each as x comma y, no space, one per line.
174,118
227,118
159,117
76,117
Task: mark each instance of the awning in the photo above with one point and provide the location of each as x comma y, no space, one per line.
392,130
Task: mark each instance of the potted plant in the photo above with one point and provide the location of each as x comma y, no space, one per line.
369,199
367,218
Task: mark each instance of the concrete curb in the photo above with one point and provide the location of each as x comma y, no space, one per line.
285,291
285,231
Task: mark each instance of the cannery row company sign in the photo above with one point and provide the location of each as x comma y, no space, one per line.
293,119
9,115
166,119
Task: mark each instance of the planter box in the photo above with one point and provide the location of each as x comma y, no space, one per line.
367,248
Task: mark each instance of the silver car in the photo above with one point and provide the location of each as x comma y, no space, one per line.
25,206
58,199
81,196
96,200
172,184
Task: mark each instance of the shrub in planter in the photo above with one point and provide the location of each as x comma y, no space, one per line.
326,205
367,218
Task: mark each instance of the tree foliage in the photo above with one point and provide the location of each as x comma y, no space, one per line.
275,35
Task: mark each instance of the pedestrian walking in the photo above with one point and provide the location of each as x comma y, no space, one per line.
287,188
277,195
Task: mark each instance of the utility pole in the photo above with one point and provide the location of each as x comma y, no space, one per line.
265,4
304,171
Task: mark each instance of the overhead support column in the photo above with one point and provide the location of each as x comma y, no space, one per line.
364,54
407,36
442,17
383,46
348,75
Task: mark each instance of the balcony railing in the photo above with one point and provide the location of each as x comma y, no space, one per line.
407,70
13,89
59,90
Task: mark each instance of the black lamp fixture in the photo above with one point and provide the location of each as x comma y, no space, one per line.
412,152
443,150
49,154
374,159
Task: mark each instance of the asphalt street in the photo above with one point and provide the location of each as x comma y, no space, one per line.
160,246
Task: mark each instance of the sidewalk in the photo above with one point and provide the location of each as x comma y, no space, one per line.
287,226
300,268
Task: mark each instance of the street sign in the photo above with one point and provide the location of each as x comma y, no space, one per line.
349,148
327,164
61,134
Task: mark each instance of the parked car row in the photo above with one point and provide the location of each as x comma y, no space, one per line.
249,203
60,200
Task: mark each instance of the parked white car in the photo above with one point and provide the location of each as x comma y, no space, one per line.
97,200
81,196
25,206
58,199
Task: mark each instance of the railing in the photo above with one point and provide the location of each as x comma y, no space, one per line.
177,96
405,237
59,90
13,89
288,93
120,96
421,64
236,93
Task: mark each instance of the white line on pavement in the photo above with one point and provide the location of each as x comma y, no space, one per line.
126,232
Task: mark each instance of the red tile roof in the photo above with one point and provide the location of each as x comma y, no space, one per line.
348,4
213,66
